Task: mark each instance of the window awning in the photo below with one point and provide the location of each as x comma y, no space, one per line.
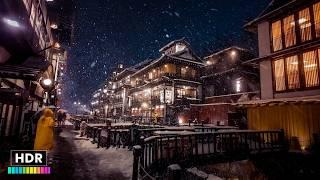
28,70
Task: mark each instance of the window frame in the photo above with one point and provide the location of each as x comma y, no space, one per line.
299,41
300,70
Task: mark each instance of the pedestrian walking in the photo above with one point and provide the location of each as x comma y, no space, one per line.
44,134
83,126
60,118
64,118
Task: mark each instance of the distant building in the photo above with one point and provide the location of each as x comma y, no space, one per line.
289,51
226,80
162,89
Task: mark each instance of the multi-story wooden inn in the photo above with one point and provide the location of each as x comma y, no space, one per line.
289,53
226,80
169,83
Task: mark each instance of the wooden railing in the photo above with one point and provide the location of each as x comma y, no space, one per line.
118,135
157,152
128,136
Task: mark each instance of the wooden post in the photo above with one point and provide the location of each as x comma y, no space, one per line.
282,140
136,156
174,172
94,134
88,131
99,136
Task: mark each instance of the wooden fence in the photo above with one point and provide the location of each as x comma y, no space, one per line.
157,152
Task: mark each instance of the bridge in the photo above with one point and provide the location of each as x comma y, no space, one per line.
157,147
154,154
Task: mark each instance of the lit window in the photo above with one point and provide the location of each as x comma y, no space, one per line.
292,72
305,25
238,85
289,31
276,36
279,75
310,67
316,12
150,75
183,72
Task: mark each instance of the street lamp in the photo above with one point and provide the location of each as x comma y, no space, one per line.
11,22
47,86
47,82
233,53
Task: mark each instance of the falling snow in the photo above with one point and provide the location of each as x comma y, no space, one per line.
110,32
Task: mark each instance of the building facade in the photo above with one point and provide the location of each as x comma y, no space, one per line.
226,80
288,34
167,85
29,54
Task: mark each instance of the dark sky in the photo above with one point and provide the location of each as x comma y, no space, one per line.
108,32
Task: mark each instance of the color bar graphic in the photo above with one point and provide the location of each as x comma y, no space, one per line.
29,170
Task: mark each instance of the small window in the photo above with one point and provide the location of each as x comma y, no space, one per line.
292,64
316,12
289,31
305,25
276,36
310,67
279,75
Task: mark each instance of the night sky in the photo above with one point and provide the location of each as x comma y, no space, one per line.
108,32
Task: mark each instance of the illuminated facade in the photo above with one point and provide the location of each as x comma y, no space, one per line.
288,34
226,80
167,84
29,54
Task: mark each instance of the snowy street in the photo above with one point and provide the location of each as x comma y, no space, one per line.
75,157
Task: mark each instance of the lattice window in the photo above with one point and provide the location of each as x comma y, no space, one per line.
289,31
305,25
292,65
276,36
279,75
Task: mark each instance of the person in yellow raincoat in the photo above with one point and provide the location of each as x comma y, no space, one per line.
44,133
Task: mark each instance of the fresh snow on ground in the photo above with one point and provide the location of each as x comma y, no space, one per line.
104,162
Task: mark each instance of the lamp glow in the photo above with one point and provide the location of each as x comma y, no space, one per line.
11,22
47,82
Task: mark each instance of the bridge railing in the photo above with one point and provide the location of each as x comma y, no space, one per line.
117,135
157,152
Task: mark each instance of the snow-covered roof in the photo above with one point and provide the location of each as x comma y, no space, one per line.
236,94
302,99
182,40
225,50
274,7
186,60
159,59
219,73
149,65
142,64
129,70
183,80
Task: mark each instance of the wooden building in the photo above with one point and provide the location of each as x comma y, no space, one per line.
288,34
28,54
167,85
226,80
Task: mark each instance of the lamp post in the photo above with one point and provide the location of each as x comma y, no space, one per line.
47,86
